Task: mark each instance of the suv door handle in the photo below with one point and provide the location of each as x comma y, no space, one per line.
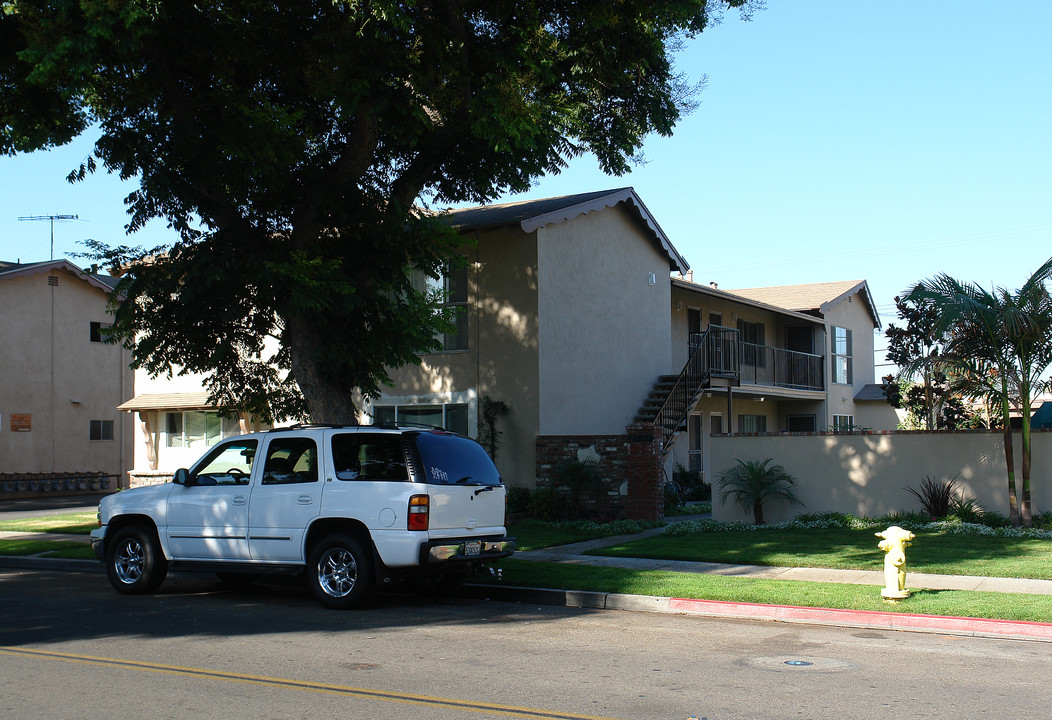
238,500
305,499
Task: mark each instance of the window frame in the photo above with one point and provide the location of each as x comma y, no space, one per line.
841,354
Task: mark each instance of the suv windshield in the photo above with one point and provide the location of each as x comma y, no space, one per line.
455,460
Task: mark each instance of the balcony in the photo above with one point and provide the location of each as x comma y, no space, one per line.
770,366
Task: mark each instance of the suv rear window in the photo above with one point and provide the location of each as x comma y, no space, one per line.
454,460
369,456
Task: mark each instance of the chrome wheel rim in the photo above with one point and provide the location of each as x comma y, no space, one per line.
129,561
337,572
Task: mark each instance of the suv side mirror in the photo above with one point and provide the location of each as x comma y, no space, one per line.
182,477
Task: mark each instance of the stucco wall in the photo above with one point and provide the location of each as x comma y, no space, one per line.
850,313
867,474
604,329
51,371
501,359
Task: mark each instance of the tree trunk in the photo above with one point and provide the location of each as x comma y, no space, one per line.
1013,502
326,402
1025,510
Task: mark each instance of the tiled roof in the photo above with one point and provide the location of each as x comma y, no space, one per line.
11,270
799,297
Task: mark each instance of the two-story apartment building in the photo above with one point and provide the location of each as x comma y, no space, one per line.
60,383
577,309
572,312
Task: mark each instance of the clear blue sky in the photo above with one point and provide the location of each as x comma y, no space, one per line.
834,141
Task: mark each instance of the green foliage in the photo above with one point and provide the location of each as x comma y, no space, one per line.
519,499
684,487
290,147
490,413
752,483
1000,346
936,496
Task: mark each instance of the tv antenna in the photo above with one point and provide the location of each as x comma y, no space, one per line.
52,218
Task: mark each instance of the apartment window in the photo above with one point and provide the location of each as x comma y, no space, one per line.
448,416
101,430
452,287
841,353
801,423
843,423
95,331
197,429
752,424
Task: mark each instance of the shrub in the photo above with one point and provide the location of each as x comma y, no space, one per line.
519,499
936,496
752,483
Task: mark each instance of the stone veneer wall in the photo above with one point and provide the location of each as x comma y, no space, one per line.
629,467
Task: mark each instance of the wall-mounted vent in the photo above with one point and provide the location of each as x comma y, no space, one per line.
52,280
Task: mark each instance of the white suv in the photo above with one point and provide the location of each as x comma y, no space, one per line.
350,506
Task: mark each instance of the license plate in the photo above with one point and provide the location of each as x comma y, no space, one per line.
472,548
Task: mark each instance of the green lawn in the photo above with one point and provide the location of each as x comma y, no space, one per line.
80,523
954,603
941,553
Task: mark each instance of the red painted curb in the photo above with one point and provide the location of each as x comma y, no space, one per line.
870,619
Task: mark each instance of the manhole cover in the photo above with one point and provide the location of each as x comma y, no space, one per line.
786,663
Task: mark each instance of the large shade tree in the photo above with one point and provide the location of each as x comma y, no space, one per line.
1001,344
290,146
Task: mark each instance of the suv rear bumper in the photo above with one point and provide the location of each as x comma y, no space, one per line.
452,550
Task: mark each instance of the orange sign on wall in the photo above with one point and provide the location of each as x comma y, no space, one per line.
21,422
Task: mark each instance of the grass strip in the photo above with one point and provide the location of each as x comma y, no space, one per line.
80,523
940,553
659,583
66,549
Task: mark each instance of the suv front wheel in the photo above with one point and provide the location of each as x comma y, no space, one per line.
339,572
134,562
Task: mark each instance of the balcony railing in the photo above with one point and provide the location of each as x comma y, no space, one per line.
759,364
777,367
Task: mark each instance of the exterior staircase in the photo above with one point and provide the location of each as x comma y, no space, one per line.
713,362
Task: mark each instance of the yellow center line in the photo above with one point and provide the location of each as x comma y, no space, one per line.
367,693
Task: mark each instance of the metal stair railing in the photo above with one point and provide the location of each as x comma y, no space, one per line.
713,352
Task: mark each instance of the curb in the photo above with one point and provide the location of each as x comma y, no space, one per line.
874,620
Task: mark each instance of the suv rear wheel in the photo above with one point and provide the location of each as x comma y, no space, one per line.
134,562
339,572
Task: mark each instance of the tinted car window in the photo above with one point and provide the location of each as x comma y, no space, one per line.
455,460
369,456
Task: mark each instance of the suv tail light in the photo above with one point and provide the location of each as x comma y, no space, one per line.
419,509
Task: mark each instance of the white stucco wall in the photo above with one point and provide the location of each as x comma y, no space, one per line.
603,327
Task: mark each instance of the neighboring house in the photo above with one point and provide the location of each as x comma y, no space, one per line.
60,384
175,424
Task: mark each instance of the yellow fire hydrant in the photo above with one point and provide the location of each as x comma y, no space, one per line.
894,545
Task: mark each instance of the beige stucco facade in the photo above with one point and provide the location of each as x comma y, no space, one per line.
568,325
55,381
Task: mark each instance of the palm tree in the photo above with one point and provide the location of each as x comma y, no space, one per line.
752,483
1001,342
